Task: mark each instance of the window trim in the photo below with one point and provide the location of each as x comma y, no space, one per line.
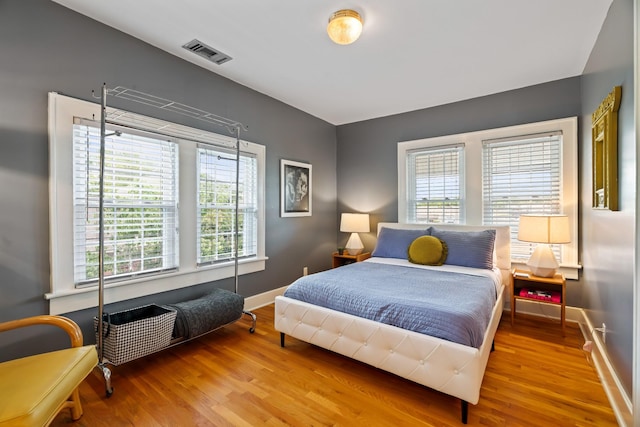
170,239
472,197
63,296
458,149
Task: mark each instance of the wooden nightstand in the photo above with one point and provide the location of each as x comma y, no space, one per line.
547,290
340,260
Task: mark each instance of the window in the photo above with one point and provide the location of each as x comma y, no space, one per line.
140,204
164,197
436,188
522,175
505,172
217,204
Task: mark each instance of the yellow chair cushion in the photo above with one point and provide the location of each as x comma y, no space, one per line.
32,388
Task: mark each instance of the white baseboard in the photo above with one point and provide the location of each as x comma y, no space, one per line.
260,300
535,308
618,398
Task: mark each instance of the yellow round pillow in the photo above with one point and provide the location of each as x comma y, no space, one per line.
427,250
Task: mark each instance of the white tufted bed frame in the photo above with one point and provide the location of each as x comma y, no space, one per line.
448,367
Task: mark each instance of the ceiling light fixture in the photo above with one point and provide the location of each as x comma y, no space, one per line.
344,26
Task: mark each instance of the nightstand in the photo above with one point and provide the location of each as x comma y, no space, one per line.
340,260
546,290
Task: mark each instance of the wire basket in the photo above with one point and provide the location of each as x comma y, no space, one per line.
134,333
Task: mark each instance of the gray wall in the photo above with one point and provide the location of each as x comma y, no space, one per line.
608,238
46,47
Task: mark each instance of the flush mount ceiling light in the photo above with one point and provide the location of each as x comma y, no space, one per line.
344,26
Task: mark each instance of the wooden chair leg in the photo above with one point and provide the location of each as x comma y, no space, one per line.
76,408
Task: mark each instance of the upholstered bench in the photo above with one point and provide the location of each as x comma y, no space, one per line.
34,389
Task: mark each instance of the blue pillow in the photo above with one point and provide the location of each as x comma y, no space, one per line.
394,242
468,248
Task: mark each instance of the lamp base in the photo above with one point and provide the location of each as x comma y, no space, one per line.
542,272
542,262
354,245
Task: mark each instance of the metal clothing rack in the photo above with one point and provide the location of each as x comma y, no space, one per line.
232,126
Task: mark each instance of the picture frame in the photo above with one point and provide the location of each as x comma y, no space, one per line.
295,188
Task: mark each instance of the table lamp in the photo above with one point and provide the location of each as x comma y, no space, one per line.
544,230
354,223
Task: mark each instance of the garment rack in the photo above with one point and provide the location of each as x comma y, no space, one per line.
133,95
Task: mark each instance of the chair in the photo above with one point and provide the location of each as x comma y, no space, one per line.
34,389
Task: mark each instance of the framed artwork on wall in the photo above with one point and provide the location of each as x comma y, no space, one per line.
295,188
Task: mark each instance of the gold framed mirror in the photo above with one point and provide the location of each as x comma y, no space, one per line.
604,138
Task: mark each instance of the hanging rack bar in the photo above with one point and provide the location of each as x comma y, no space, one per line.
175,107
237,207
100,341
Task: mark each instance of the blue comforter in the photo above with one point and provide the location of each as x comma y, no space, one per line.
452,306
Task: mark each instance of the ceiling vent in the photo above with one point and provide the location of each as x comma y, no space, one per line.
207,52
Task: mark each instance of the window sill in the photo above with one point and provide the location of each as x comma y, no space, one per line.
66,301
570,272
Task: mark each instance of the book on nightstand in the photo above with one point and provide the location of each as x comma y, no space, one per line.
543,295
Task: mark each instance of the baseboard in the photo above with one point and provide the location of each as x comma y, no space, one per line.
535,308
260,300
618,398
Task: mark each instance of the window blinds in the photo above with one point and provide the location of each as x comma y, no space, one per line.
217,204
435,188
522,175
140,203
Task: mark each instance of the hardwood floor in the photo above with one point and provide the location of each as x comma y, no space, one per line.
535,377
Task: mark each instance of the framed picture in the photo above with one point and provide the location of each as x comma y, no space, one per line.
295,188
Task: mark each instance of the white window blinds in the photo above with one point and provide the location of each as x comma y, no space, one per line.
522,175
140,203
435,178
217,204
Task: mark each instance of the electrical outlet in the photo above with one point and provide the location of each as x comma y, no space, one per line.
305,271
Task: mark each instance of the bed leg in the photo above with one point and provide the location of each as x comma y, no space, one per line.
464,410
281,339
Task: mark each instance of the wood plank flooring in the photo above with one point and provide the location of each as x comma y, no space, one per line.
535,377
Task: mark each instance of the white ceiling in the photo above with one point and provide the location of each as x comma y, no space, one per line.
412,54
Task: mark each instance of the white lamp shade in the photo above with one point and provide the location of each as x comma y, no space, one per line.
544,229
354,223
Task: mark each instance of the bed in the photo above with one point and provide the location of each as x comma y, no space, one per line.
428,357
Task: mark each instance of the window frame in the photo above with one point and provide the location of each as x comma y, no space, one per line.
90,200
430,152
248,208
473,186
64,296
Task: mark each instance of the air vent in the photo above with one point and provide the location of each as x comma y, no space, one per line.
207,52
